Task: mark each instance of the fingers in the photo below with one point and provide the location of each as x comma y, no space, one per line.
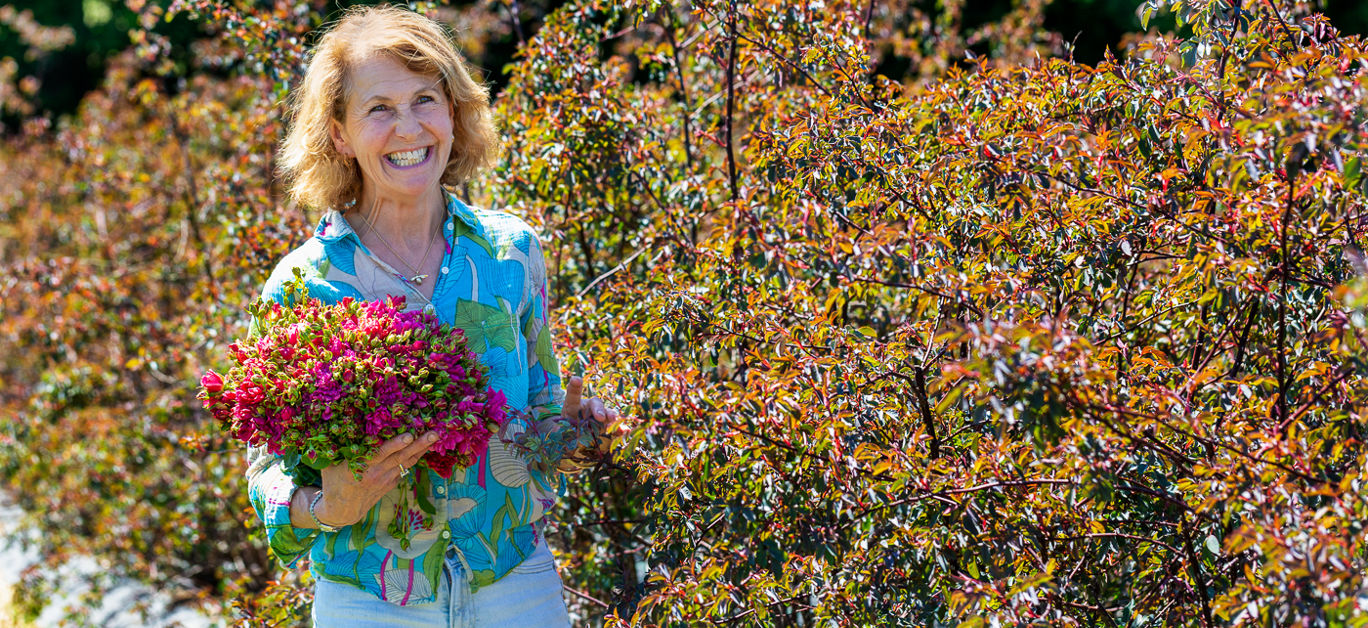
602,413
414,452
599,412
608,423
607,420
391,448
350,495
574,389
404,450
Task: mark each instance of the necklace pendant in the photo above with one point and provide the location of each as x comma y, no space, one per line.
418,279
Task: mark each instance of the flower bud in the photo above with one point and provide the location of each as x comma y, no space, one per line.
211,382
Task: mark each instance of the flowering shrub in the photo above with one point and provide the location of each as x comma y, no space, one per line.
1009,339
1029,341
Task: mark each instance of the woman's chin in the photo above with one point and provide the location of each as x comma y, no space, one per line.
408,187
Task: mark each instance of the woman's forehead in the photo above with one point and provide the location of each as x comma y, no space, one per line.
382,77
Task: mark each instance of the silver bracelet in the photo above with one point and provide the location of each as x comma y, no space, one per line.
321,526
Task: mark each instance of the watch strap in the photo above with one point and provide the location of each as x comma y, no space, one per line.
313,503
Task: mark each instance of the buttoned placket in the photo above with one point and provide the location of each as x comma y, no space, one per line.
446,263
459,610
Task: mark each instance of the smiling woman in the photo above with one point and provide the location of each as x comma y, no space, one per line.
386,116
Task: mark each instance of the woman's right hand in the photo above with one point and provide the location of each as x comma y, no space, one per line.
346,499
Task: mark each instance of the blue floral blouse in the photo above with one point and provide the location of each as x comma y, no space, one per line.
492,285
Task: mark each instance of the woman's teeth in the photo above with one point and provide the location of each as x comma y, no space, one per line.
408,158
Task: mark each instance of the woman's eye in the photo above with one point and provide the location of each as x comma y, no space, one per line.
422,100
378,108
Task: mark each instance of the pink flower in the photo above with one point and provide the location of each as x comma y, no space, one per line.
211,382
250,394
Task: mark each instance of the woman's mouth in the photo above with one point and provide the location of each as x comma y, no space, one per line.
409,158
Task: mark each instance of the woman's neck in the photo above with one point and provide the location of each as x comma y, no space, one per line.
407,225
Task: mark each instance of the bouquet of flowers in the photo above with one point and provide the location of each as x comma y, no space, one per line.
325,384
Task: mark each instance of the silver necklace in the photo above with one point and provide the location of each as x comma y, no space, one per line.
416,280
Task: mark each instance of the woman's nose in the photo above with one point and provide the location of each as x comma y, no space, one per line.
406,125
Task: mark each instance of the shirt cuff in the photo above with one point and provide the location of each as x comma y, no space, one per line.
288,542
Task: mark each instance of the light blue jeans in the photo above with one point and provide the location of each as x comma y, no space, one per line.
528,597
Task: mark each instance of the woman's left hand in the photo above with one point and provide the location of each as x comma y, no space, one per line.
575,406
578,416
574,410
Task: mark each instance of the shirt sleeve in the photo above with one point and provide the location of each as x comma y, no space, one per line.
270,491
269,488
545,394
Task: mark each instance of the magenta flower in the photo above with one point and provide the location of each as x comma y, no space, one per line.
212,383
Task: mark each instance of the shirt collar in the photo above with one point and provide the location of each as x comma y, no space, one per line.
333,226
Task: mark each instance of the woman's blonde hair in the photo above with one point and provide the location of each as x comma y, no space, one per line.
319,176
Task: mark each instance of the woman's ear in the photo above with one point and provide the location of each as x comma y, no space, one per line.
339,139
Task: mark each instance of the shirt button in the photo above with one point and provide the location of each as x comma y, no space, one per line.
450,225
446,534
444,270
441,490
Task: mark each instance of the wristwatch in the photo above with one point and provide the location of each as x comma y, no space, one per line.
321,526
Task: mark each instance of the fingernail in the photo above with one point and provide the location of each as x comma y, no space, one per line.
408,438
431,437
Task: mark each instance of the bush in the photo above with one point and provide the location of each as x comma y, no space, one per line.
1011,340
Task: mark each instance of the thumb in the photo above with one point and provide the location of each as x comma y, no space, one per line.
574,389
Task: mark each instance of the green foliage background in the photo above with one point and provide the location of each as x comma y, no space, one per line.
919,320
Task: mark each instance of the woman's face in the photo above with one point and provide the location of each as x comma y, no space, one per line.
397,124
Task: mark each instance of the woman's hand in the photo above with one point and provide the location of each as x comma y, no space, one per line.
346,500
575,406
574,410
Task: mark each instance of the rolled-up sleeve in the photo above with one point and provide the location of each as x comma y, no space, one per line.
545,392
